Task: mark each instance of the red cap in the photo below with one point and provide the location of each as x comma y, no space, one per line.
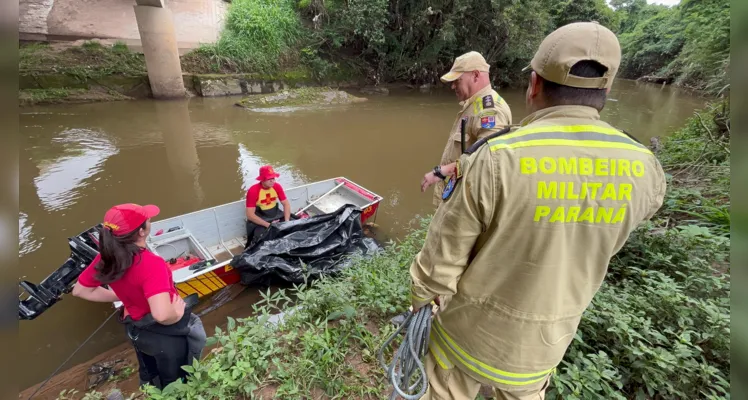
125,218
266,173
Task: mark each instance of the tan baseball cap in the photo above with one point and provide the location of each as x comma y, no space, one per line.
470,61
576,42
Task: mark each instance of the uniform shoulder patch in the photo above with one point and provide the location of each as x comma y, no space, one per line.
488,101
488,121
449,188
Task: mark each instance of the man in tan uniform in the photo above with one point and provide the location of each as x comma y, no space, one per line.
530,221
483,111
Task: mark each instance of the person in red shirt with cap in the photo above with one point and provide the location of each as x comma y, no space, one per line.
143,282
262,204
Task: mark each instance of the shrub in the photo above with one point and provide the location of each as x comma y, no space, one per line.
258,36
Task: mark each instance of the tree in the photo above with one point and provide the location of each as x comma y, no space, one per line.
570,11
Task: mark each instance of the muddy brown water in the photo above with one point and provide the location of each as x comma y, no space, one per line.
78,160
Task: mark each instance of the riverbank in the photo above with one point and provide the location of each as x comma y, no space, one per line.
660,324
91,71
377,42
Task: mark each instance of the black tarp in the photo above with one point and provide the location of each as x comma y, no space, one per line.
305,249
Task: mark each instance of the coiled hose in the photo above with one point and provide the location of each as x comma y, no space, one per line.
407,358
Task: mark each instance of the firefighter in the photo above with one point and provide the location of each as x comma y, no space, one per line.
483,111
529,222
263,202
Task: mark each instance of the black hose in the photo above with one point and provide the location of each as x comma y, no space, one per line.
407,358
71,355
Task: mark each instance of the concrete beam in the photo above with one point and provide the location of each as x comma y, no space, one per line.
151,3
156,27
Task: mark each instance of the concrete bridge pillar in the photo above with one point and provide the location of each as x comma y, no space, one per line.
156,27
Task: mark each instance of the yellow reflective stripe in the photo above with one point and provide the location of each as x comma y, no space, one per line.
451,344
496,375
570,142
563,129
580,136
438,353
413,296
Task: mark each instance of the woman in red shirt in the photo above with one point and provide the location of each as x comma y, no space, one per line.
144,283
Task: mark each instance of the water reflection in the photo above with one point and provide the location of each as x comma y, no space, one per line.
62,180
181,151
27,243
646,110
249,168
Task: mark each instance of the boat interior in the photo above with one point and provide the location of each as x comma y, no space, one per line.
204,240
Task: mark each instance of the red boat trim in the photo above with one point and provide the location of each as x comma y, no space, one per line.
356,188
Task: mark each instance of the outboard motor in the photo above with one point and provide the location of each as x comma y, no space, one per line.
83,249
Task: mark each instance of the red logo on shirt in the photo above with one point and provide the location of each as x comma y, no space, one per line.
268,200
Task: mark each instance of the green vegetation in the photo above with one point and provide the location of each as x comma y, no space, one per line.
51,74
259,36
326,347
688,44
37,96
87,62
416,40
29,97
307,96
658,328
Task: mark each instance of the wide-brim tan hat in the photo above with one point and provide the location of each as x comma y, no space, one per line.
571,44
470,61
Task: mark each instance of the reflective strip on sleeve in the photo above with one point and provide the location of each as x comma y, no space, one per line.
418,299
457,354
572,135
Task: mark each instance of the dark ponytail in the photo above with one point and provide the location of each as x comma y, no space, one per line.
117,254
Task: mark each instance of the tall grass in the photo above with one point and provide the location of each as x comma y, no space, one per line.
259,36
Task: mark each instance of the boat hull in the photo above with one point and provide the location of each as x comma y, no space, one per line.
215,235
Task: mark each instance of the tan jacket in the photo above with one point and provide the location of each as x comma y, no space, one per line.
523,243
484,115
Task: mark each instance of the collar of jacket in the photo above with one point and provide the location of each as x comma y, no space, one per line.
483,92
582,112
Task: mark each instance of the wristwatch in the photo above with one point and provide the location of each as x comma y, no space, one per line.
438,172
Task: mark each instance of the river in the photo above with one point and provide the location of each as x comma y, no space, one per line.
78,160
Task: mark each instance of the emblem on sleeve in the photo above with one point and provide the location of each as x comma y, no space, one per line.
488,122
449,188
487,101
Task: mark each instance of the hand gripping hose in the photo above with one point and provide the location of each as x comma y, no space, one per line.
407,358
